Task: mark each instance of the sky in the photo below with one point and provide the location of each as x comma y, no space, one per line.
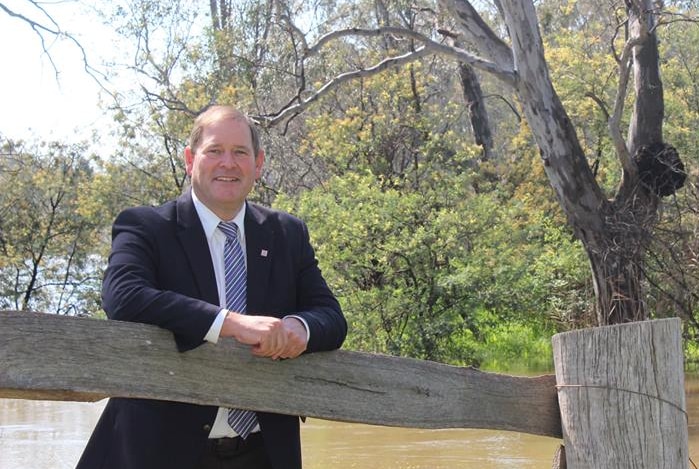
35,102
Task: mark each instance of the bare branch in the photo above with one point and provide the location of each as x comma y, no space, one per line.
352,32
669,17
41,29
600,103
285,17
299,64
429,47
172,103
343,78
615,120
508,103
502,72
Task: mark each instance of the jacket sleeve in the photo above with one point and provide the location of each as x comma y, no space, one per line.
148,279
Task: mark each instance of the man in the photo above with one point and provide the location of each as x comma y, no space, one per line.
170,266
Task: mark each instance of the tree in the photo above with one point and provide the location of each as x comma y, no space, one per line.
47,244
616,230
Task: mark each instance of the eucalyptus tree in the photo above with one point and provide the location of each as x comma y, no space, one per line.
616,228
398,229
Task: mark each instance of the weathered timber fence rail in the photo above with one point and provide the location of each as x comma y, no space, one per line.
621,388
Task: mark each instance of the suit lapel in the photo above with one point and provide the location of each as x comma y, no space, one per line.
193,240
258,239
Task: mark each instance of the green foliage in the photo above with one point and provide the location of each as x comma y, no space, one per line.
680,68
691,354
429,250
578,43
47,262
416,270
515,347
388,252
382,130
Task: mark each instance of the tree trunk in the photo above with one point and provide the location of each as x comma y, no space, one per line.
614,233
478,115
616,277
563,157
646,125
213,9
618,266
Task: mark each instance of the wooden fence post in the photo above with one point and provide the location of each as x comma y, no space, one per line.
621,396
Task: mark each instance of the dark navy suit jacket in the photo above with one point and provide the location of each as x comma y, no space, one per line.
160,272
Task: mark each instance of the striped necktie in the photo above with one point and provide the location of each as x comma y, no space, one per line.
242,421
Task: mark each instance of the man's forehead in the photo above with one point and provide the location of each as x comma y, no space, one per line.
223,131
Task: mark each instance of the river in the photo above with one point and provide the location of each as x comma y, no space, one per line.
51,435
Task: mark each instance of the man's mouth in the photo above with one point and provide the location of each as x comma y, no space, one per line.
225,179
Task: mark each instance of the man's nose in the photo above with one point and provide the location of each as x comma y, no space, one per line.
228,158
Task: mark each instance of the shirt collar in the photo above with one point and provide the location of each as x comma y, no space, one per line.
210,221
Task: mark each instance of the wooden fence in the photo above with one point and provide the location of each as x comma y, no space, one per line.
620,388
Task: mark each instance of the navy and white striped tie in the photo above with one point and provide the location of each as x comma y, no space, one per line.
242,421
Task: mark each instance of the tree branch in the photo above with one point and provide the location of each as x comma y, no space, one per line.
614,121
504,73
600,103
55,31
343,78
352,32
429,47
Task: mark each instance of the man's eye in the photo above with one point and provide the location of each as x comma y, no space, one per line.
214,151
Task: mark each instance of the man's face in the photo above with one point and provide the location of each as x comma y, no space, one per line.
224,168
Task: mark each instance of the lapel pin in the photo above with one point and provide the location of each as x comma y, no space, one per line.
263,253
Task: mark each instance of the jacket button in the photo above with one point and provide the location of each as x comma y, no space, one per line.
207,428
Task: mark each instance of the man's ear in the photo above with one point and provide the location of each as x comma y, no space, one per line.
259,162
188,160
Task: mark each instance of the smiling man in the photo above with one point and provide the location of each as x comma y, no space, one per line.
209,265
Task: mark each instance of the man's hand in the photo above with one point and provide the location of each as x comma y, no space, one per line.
267,335
296,337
